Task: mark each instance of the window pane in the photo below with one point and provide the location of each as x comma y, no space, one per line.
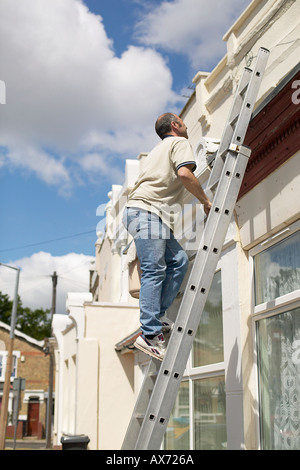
279,380
210,414
178,431
14,367
208,342
277,269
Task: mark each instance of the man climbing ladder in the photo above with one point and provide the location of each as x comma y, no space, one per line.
148,217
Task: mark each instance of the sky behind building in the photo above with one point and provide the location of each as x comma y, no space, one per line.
85,81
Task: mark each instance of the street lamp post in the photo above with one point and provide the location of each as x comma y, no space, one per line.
51,365
4,406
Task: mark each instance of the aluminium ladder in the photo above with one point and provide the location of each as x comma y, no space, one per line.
162,380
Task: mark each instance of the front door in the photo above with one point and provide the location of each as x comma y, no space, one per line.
33,417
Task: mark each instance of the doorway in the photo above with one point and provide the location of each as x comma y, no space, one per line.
33,416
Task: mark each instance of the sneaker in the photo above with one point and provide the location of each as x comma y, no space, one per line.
167,324
155,347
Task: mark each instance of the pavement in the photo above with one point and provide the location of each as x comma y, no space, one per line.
26,444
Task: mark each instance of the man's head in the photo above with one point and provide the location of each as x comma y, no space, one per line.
170,124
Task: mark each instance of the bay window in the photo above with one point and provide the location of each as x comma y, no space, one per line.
198,420
277,318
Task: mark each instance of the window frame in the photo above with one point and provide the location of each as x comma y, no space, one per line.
2,370
267,309
14,369
201,372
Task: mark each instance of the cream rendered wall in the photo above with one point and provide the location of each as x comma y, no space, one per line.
271,205
94,383
268,209
87,390
108,324
69,383
105,272
59,324
273,24
69,331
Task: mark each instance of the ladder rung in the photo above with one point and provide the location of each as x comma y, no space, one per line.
234,120
153,375
244,85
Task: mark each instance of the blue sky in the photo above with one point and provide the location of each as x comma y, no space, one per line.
85,82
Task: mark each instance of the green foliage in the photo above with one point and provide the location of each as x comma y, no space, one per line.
34,323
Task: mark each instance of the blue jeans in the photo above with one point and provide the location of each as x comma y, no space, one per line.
163,264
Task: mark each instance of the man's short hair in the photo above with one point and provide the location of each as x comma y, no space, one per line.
163,124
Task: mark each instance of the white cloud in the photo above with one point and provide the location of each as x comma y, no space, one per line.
64,85
94,164
46,167
35,284
191,27
68,94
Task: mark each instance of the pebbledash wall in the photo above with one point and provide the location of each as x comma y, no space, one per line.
241,385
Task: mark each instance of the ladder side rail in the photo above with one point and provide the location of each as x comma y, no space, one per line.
141,404
244,101
229,129
207,245
235,111
250,97
172,369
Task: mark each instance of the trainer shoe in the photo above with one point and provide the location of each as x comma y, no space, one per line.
167,324
155,347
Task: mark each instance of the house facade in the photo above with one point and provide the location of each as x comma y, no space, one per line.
241,387
31,364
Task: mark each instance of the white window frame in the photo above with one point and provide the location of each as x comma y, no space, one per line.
2,374
234,389
271,308
200,373
16,355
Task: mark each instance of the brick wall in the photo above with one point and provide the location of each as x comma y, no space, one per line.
33,366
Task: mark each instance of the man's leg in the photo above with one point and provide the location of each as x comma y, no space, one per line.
177,265
146,229
151,254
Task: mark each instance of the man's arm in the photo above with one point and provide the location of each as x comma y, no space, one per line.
191,183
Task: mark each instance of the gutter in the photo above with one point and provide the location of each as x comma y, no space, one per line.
126,345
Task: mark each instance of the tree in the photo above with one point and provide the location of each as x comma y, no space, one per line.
5,308
34,323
